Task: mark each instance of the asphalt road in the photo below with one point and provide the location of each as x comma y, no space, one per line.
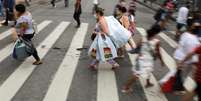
18,82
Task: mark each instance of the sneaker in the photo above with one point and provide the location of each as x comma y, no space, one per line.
37,62
5,24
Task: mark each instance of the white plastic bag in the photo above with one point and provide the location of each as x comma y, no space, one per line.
106,48
117,32
102,49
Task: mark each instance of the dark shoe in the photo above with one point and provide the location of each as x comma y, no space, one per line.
37,62
5,24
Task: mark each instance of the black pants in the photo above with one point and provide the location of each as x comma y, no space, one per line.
53,3
66,2
76,16
35,53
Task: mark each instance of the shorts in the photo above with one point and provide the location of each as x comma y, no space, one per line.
180,25
198,90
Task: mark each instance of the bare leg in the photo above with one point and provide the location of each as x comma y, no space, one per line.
129,83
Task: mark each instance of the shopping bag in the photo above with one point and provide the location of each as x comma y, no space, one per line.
118,34
93,48
168,81
20,50
167,87
178,84
106,48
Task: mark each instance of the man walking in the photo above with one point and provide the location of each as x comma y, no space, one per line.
8,5
53,3
66,2
77,12
182,19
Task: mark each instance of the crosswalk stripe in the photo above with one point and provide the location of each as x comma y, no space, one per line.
107,87
5,52
153,93
171,42
5,34
60,86
16,80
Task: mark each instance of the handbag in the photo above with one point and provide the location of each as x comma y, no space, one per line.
20,50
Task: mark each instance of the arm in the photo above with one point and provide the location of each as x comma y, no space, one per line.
125,21
104,27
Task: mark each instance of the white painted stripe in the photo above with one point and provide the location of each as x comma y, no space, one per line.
172,32
5,34
60,86
107,87
16,80
154,93
171,42
5,52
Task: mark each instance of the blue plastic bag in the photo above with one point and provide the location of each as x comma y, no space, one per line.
21,50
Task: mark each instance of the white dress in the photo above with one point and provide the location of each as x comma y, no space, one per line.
145,61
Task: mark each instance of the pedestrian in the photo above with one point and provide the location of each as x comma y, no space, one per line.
102,28
182,20
77,12
150,50
9,5
66,2
24,29
123,18
196,76
53,3
95,3
185,46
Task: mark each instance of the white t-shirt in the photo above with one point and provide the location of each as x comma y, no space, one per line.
187,43
95,2
182,15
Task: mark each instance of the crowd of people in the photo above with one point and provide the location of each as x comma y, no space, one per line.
108,44
112,33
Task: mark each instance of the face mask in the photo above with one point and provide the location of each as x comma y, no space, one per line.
196,31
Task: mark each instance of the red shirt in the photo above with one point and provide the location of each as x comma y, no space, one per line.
198,65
